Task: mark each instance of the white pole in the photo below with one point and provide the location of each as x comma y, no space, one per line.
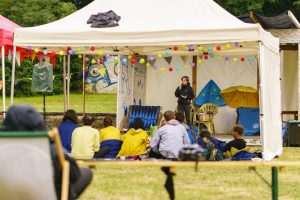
12,87
3,82
68,85
65,86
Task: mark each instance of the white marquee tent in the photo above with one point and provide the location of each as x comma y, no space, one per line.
150,27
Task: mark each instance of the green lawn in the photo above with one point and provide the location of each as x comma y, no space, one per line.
94,102
238,183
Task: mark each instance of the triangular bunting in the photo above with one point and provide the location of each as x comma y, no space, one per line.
168,59
184,58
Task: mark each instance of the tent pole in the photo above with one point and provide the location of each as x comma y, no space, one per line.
68,85
12,87
194,74
83,81
3,82
64,79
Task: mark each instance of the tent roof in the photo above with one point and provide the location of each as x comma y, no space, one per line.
143,23
285,20
7,28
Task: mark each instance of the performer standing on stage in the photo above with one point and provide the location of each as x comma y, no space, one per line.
185,94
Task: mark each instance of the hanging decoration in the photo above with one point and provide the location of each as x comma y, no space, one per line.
242,59
200,49
200,61
177,68
148,64
92,48
175,48
133,60
124,61
168,60
168,53
159,55
206,57
79,56
107,56
171,69
129,57
142,61
182,47
191,48
100,53
228,46
237,44
116,60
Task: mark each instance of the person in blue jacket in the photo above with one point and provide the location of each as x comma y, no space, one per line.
66,128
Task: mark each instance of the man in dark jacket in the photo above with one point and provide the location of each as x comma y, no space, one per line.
185,94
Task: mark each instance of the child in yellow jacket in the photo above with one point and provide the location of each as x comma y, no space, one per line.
135,140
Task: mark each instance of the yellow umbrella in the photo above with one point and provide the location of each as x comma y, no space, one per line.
240,96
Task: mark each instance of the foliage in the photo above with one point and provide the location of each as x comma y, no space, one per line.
35,12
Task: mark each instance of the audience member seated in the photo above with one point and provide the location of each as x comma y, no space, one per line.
66,128
85,141
25,118
237,144
180,117
212,146
169,139
135,140
110,137
203,143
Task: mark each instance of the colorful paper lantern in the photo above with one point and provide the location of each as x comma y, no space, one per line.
148,64
124,60
185,67
133,60
220,58
212,55
93,61
192,64
101,62
200,61
70,52
175,48
29,48
209,48
100,53
236,44
92,48
200,49
191,48
87,59
182,47
78,49
36,50
79,56
228,46
206,57
116,60
242,59
171,69
159,55
227,58
107,56
163,69
234,59
177,68
150,59
250,58
45,51
168,52
218,47
142,61
61,53
129,57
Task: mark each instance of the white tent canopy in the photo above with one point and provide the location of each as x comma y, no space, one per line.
148,27
145,23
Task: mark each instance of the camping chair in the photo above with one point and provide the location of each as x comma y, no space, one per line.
206,115
150,115
26,170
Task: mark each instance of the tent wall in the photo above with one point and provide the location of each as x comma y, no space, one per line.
125,94
226,74
289,78
270,103
161,86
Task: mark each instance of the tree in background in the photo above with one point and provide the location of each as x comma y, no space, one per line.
35,12
261,7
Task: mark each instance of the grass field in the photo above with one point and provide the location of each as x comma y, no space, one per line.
135,183
94,102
